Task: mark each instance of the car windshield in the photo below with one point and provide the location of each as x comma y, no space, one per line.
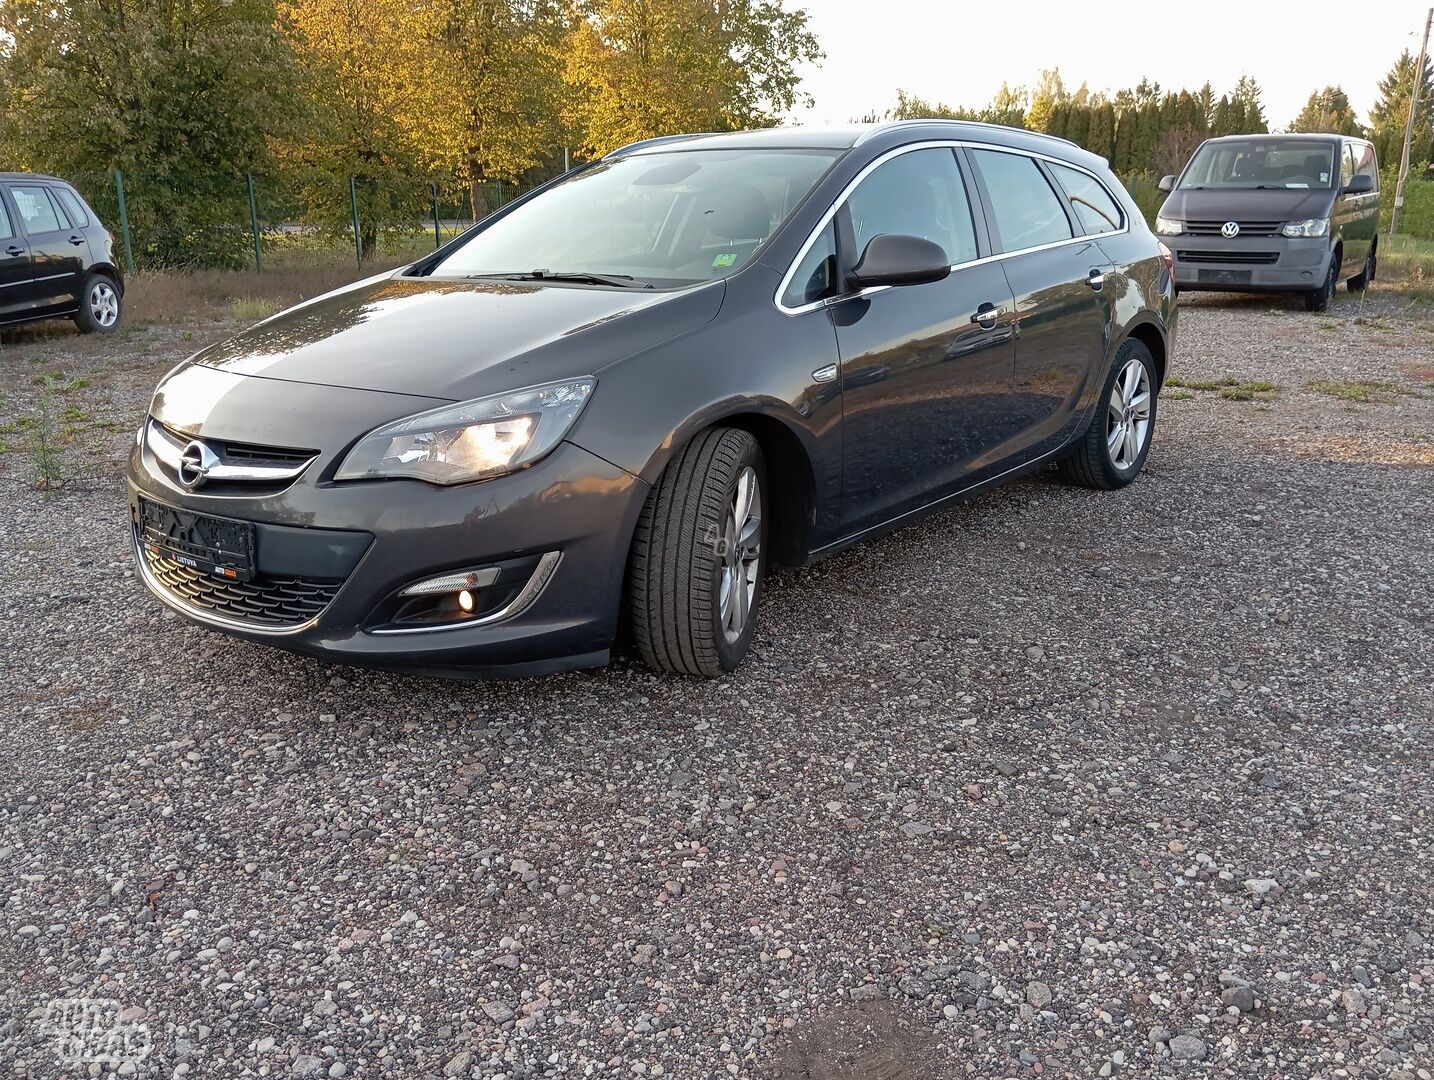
1257,163
649,220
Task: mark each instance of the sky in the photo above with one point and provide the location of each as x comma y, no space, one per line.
959,52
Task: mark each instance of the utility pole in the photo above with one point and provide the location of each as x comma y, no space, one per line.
1409,124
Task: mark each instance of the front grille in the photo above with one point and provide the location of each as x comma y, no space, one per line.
1242,258
264,601
1247,228
243,454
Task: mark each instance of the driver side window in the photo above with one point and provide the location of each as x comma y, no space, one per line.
919,193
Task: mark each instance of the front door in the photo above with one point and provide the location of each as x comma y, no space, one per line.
1056,272
925,369
14,267
58,251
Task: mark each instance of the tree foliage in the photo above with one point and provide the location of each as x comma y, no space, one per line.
1390,114
1327,110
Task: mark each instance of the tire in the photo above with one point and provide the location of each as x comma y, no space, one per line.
688,568
1092,463
101,305
1361,281
1318,299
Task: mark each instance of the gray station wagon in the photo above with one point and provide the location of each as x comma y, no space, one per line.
1275,213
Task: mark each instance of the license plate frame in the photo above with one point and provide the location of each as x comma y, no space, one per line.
219,547
1224,277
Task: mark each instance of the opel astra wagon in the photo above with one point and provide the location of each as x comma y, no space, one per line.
56,259
607,409
1275,213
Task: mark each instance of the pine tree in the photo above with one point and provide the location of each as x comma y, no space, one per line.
1101,139
1390,114
1122,158
1247,93
1327,110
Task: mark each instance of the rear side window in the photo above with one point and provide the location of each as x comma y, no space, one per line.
816,273
35,208
1027,212
916,194
73,207
1092,205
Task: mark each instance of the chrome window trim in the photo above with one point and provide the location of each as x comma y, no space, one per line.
953,144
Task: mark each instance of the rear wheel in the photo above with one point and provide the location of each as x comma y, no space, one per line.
100,305
1318,299
698,558
1113,449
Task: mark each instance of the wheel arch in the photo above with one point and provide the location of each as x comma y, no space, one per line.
1153,338
109,270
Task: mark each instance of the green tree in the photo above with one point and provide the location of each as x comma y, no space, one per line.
641,68
1327,110
1390,114
1247,93
910,107
1101,139
183,95
1049,93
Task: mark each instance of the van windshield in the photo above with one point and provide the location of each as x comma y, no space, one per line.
650,220
1261,163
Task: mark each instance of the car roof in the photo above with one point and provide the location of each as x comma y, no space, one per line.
838,137
30,176
1289,136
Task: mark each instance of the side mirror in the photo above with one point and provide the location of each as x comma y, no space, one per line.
1359,184
893,259
1167,184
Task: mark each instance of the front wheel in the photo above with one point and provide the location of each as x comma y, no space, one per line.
698,558
1361,281
1113,449
100,306
1318,299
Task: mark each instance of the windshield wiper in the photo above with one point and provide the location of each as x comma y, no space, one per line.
621,281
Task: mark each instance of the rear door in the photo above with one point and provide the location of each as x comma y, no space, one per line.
58,250
1056,273
925,369
14,265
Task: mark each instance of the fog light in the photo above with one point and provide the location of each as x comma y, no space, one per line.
465,601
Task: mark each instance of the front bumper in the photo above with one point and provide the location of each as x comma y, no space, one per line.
1249,264
377,537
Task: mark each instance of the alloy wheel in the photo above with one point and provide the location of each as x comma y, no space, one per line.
741,554
104,303
1128,421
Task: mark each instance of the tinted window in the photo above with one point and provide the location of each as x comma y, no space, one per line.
915,194
6,232
1258,163
1028,213
1364,163
1346,165
72,205
35,209
1092,205
816,273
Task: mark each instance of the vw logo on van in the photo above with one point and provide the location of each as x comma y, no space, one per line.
1229,229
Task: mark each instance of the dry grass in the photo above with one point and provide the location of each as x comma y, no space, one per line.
179,296
1227,387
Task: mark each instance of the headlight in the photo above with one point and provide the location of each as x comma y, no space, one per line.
1165,226
1315,226
476,440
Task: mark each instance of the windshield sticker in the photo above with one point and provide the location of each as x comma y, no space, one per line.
1324,178
727,258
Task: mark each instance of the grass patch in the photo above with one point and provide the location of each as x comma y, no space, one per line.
1178,395
254,308
1362,391
179,296
1228,387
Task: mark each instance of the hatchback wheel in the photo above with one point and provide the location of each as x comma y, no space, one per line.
1318,299
100,305
1113,449
699,557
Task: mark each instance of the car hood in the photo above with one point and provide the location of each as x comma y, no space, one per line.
1274,204
457,339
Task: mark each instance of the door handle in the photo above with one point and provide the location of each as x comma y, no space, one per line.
13,250
77,240
987,314
1095,279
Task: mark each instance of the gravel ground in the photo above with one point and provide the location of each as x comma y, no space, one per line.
1054,783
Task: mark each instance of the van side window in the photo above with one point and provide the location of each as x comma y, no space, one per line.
1346,165
816,273
1096,211
1364,164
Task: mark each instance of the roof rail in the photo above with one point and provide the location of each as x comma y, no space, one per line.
642,144
892,125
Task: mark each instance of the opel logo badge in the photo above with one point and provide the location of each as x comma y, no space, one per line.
195,463
1230,229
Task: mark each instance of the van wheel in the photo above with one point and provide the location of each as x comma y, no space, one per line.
1361,281
100,305
1318,299
699,557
